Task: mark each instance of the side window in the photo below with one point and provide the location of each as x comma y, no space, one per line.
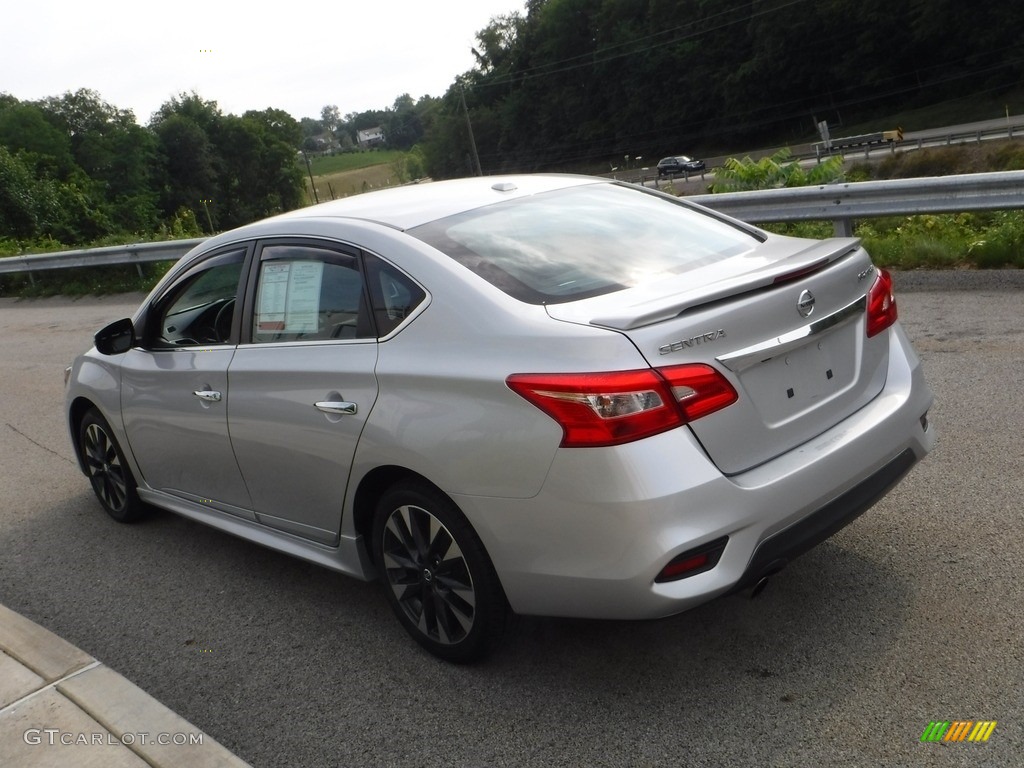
394,295
306,293
200,308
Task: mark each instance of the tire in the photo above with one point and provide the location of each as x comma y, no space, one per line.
436,574
111,478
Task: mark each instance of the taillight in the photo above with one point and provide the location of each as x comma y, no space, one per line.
600,409
698,390
881,304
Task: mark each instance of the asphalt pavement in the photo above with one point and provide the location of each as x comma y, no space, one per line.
911,615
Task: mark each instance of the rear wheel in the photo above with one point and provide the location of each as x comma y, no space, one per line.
108,472
437,575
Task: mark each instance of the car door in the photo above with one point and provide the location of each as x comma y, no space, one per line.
174,387
302,383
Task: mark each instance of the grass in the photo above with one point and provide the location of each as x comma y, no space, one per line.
352,161
352,182
344,175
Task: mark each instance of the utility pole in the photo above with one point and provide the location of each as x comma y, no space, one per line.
310,170
469,127
206,208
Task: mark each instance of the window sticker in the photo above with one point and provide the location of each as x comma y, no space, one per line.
273,297
289,300
304,297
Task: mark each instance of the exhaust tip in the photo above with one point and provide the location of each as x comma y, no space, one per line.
774,567
759,587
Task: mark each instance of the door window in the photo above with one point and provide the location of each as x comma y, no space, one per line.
200,308
306,293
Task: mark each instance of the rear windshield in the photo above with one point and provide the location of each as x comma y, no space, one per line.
584,241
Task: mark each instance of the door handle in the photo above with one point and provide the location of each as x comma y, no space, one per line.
209,395
336,406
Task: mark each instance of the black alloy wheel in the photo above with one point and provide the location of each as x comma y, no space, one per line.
111,478
437,575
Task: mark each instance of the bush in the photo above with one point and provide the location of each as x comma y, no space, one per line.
1009,157
779,170
1002,244
935,161
982,240
817,230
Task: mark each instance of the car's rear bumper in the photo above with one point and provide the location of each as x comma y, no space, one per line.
775,552
607,520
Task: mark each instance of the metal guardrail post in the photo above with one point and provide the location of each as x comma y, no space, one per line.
843,227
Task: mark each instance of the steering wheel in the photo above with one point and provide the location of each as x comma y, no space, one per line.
222,322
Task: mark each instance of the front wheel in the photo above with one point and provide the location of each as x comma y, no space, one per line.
111,478
437,575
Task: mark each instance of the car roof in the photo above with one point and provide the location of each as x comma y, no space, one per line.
415,204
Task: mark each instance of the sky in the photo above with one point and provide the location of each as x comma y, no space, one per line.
292,56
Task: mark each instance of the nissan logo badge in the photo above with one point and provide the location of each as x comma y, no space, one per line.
805,304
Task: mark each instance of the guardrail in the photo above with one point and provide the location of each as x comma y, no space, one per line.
138,253
845,202
840,203
920,142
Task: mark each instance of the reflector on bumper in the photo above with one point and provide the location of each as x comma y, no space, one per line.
693,561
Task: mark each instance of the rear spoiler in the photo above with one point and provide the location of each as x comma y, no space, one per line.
664,306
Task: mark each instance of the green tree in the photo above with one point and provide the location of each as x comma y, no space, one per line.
402,125
233,169
330,118
190,165
27,204
205,114
570,81
118,156
446,146
260,174
24,127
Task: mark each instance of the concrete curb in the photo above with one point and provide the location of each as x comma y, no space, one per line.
60,707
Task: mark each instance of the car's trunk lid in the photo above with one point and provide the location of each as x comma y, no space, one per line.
785,325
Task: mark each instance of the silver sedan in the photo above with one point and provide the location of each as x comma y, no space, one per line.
550,395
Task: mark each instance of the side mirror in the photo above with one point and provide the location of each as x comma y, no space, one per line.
116,338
